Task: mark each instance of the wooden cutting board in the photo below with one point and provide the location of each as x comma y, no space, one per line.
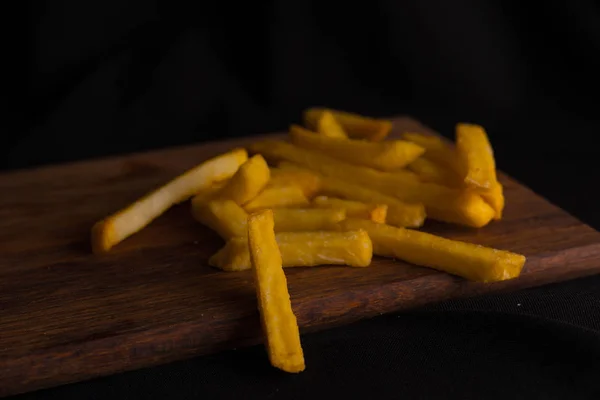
67,315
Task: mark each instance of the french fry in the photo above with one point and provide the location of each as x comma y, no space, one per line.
470,261
278,197
278,320
495,198
328,126
436,149
276,150
399,213
308,181
356,126
302,249
353,208
117,227
210,193
463,207
307,219
250,179
405,200
432,172
225,217
385,156
476,156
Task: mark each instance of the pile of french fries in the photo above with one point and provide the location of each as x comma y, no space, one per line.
335,193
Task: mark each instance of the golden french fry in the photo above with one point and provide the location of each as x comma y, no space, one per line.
468,209
225,217
210,193
495,198
307,219
356,126
385,156
430,171
278,320
308,181
353,208
398,214
471,261
476,156
327,125
276,150
463,207
278,197
436,149
441,203
115,228
302,249
250,179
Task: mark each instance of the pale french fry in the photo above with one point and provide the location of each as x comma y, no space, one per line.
276,150
250,179
470,261
115,228
433,172
278,197
278,320
356,126
308,181
327,125
307,219
302,249
495,198
225,217
476,156
353,208
399,213
385,156
436,149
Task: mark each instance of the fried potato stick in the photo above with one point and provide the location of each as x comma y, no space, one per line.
225,217
249,180
399,213
307,219
278,197
302,249
436,149
495,198
476,156
405,201
277,150
210,193
308,181
479,166
355,209
356,126
117,227
384,156
277,317
470,261
328,126
433,172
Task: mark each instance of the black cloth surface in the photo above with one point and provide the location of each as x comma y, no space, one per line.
120,76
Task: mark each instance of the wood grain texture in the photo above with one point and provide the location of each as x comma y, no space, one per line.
67,315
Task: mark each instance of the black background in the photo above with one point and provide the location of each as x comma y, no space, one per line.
119,76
